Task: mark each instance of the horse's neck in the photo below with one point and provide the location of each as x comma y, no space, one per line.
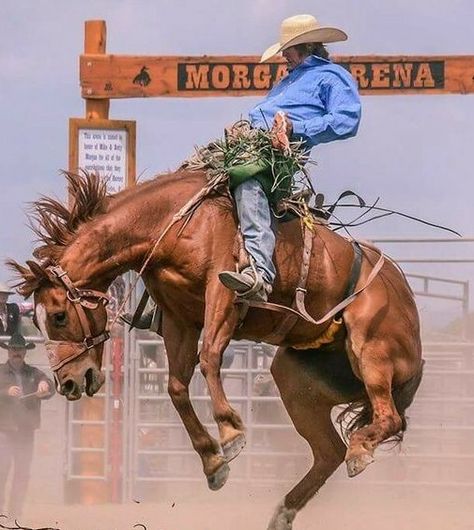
121,239
92,262
106,249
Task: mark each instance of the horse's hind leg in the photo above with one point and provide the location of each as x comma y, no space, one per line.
310,411
181,344
376,371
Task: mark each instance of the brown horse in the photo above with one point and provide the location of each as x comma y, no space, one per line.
374,359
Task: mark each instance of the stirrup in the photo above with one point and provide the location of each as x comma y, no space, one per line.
144,322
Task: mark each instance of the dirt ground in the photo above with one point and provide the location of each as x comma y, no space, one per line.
339,506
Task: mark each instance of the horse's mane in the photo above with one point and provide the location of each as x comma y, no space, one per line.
55,224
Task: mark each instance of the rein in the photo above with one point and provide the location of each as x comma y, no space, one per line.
80,298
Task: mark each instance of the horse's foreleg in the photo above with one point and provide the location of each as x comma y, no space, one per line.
181,344
310,411
376,370
220,322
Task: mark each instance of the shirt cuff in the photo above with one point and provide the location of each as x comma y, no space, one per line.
299,128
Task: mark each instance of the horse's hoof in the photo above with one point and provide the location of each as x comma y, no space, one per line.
219,478
357,464
233,448
282,518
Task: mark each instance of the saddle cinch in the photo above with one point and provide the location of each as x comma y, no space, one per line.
289,209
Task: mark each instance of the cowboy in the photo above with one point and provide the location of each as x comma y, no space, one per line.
317,102
22,387
9,313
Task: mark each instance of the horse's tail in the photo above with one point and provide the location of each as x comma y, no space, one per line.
358,413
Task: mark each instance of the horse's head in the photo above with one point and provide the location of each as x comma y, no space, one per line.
73,322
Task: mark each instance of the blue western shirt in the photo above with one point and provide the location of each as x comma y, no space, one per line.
320,98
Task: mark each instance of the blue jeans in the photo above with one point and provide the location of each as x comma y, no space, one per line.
255,219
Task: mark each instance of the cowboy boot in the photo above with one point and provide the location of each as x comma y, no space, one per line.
247,284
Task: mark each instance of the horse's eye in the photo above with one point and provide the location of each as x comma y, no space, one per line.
60,319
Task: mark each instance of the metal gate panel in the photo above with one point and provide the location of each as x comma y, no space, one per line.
437,449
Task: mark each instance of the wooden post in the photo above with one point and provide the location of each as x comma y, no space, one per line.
95,39
93,436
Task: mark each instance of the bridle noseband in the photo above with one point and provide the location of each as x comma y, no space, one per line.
59,351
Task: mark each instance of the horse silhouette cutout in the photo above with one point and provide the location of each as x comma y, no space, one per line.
142,78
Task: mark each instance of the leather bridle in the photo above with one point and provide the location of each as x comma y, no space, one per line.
59,352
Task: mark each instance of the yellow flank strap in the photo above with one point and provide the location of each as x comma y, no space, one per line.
307,218
325,338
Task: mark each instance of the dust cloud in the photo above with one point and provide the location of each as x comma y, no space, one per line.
95,469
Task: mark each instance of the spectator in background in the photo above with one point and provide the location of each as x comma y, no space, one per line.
22,387
9,313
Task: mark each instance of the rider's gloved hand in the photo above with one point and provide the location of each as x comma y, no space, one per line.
281,132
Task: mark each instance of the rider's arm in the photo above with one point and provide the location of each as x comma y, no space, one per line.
342,117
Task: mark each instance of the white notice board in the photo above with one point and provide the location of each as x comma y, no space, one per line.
104,147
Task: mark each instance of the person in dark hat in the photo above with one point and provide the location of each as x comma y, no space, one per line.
22,387
9,313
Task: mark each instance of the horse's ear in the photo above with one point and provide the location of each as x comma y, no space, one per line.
48,253
37,270
39,253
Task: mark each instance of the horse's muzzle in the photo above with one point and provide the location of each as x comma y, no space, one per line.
73,387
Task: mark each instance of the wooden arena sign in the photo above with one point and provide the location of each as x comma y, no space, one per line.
122,76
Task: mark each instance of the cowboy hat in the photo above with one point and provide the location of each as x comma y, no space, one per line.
302,29
17,342
5,289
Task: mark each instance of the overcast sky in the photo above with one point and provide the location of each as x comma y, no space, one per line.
415,152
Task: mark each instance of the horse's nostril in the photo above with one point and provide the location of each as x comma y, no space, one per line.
68,387
94,380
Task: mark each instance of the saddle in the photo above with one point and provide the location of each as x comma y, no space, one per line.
298,310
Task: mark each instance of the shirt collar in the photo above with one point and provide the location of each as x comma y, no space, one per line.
313,60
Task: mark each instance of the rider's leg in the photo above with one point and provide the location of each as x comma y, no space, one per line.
255,219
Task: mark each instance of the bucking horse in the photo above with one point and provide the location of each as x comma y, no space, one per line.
367,357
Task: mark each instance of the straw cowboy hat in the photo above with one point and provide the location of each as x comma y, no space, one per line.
5,289
17,342
302,29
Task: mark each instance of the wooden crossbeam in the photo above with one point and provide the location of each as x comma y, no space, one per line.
126,76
